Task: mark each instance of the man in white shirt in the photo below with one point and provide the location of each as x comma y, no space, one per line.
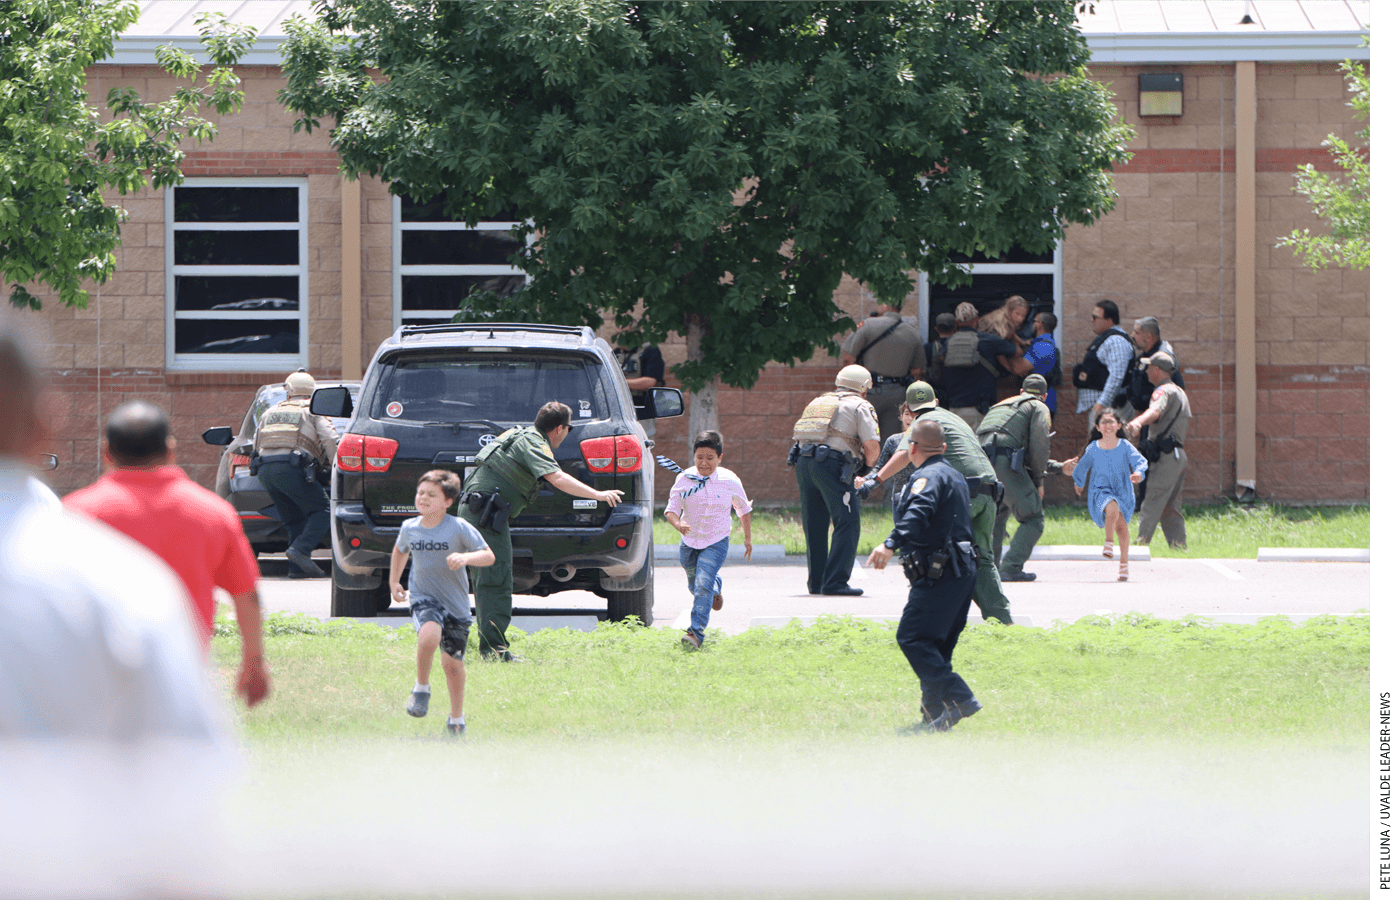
109,729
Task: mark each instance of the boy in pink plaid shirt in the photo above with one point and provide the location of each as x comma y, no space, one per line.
699,508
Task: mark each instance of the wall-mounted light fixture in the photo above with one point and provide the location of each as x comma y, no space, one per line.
1159,94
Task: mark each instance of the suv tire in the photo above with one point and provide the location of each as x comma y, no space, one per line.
351,603
622,604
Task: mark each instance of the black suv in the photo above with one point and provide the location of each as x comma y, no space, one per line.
434,395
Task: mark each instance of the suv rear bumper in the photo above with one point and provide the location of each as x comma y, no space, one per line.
362,549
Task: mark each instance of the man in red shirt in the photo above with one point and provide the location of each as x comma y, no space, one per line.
195,531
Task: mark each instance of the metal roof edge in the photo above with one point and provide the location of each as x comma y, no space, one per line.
141,50
1162,47
1146,47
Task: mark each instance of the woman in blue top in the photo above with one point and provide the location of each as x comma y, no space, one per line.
1110,467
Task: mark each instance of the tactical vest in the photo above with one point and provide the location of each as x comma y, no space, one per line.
498,458
995,422
1092,374
815,425
961,351
286,427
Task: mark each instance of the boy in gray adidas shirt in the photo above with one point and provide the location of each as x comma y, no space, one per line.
441,546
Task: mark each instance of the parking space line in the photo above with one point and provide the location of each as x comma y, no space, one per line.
1220,567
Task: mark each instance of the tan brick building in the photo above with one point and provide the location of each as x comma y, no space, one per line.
316,271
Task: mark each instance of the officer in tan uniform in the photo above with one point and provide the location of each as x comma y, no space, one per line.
1167,418
290,446
891,350
835,437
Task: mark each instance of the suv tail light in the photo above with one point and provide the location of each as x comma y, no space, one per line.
629,454
363,453
621,454
350,455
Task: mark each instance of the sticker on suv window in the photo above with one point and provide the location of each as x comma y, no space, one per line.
585,504
394,409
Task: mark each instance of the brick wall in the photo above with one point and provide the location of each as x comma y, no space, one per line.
1166,250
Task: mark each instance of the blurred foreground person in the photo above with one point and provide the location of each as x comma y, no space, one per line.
148,498
933,535
111,741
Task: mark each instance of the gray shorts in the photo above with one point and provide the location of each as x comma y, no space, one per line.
454,630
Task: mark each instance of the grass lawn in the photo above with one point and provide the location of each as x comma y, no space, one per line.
1124,757
840,677
1214,531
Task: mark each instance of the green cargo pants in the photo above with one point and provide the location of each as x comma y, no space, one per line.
988,595
1021,500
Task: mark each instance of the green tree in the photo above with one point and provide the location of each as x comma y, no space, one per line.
724,163
1344,201
57,155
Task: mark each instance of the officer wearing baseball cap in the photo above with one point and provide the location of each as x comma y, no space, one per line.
1015,434
964,454
836,434
290,446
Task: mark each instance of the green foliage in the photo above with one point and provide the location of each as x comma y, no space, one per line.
842,676
1344,201
723,162
58,156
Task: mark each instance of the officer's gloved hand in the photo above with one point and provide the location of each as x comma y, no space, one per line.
863,492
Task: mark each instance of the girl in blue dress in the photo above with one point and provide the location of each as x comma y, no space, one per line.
1110,467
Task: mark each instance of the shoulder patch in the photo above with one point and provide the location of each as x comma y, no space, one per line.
918,486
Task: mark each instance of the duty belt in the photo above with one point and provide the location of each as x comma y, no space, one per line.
287,456
881,380
811,450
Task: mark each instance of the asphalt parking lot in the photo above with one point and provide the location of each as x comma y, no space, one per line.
772,592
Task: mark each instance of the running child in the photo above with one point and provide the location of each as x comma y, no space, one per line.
441,546
1110,467
699,509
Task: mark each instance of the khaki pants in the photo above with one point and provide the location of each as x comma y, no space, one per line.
1161,502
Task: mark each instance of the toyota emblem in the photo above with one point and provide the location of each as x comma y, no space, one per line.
485,439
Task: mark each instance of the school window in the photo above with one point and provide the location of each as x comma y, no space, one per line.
1037,277
236,274
440,265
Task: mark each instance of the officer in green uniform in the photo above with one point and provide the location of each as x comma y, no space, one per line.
1015,434
508,476
965,455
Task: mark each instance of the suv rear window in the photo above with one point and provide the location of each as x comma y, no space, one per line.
489,387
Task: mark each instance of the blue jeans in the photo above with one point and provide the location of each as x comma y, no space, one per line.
702,578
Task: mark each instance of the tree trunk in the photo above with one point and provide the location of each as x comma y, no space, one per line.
704,403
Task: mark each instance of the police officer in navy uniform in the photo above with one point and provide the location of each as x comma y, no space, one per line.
291,447
835,438
933,535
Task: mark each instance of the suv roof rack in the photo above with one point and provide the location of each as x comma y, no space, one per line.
581,331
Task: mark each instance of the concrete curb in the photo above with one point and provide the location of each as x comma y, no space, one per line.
1078,553
1313,554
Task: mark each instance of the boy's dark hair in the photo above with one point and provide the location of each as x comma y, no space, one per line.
551,416
1110,310
137,433
450,484
1047,319
712,439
